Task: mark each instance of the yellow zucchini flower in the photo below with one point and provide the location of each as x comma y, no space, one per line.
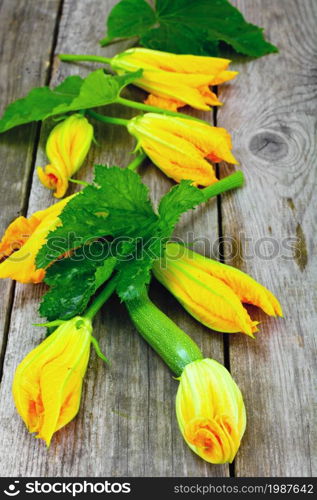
67,147
48,382
179,147
210,411
174,80
212,292
22,241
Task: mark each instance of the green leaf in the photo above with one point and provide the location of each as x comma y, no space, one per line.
116,205
132,276
103,272
98,89
130,18
177,201
75,93
179,39
188,27
73,280
134,273
39,103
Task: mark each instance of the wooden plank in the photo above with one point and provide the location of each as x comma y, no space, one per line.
24,64
127,423
271,111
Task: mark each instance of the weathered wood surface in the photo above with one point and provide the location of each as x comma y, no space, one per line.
127,424
271,111
24,64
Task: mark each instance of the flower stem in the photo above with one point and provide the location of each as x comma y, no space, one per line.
154,109
99,353
76,181
107,41
136,162
84,57
231,182
107,119
101,299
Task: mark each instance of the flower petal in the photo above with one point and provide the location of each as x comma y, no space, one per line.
20,265
246,288
224,76
181,79
67,147
53,177
210,411
178,63
179,93
47,383
206,298
163,102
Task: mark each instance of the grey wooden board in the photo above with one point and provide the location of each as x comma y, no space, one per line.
271,111
24,64
127,423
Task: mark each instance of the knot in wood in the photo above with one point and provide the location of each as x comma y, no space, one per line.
269,146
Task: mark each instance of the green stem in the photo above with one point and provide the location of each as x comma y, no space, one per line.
154,109
107,119
76,181
56,322
107,40
99,353
101,299
136,162
231,182
84,57
174,346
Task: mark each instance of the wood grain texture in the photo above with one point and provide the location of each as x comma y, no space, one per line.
127,424
271,111
24,64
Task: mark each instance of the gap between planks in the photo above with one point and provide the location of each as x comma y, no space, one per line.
25,200
221,258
